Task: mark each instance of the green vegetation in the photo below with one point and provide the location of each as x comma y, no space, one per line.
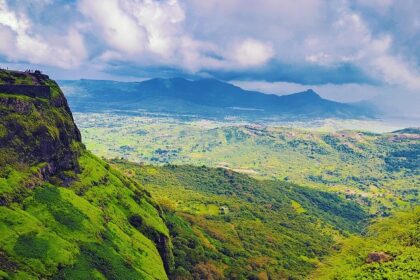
37,129
80,231
65,214
229,225
17,78
389,250
379,171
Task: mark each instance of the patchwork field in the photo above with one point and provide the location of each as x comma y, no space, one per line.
378,170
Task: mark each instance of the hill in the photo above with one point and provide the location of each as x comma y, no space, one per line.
211,98
409,130
65,214
378,170
227,225
389,250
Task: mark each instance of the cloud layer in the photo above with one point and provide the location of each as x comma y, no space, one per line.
373,42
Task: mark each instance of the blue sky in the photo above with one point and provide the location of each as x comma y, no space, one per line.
347,50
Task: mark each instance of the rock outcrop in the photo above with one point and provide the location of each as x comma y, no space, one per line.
64,213
28,90
378,257
36,124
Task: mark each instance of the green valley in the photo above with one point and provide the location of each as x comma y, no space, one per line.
389,250
185,198
209,140
228,225
378,170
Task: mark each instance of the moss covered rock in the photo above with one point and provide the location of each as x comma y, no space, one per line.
64,213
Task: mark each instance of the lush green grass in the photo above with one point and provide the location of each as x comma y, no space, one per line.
37,130
83,230
267,228
64,213
7,77
379,171
397,236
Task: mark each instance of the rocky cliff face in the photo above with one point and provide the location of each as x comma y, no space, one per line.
65,214
36,124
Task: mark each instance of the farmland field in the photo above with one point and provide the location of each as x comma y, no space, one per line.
376,169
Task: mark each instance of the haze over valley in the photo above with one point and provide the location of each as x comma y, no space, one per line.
209,140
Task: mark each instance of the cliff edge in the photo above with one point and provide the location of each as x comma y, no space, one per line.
36,124
64,213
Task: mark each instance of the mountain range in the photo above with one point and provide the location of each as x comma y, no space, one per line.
67,214
206,97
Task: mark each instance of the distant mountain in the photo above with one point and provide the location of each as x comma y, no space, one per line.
408,130
201,97
66,214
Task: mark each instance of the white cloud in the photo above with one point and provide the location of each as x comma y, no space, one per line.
119,29
162,21
251,52
151,32
133,27
318,33
351,40
193,54
18,42
217,35
396,72
376,57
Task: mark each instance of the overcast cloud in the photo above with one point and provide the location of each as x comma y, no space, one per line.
356,48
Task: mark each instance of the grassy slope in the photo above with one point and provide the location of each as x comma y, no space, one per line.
398,236
377,170
270,229
96,223
72,217
78,232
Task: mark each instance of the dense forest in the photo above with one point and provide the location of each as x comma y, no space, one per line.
227,224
